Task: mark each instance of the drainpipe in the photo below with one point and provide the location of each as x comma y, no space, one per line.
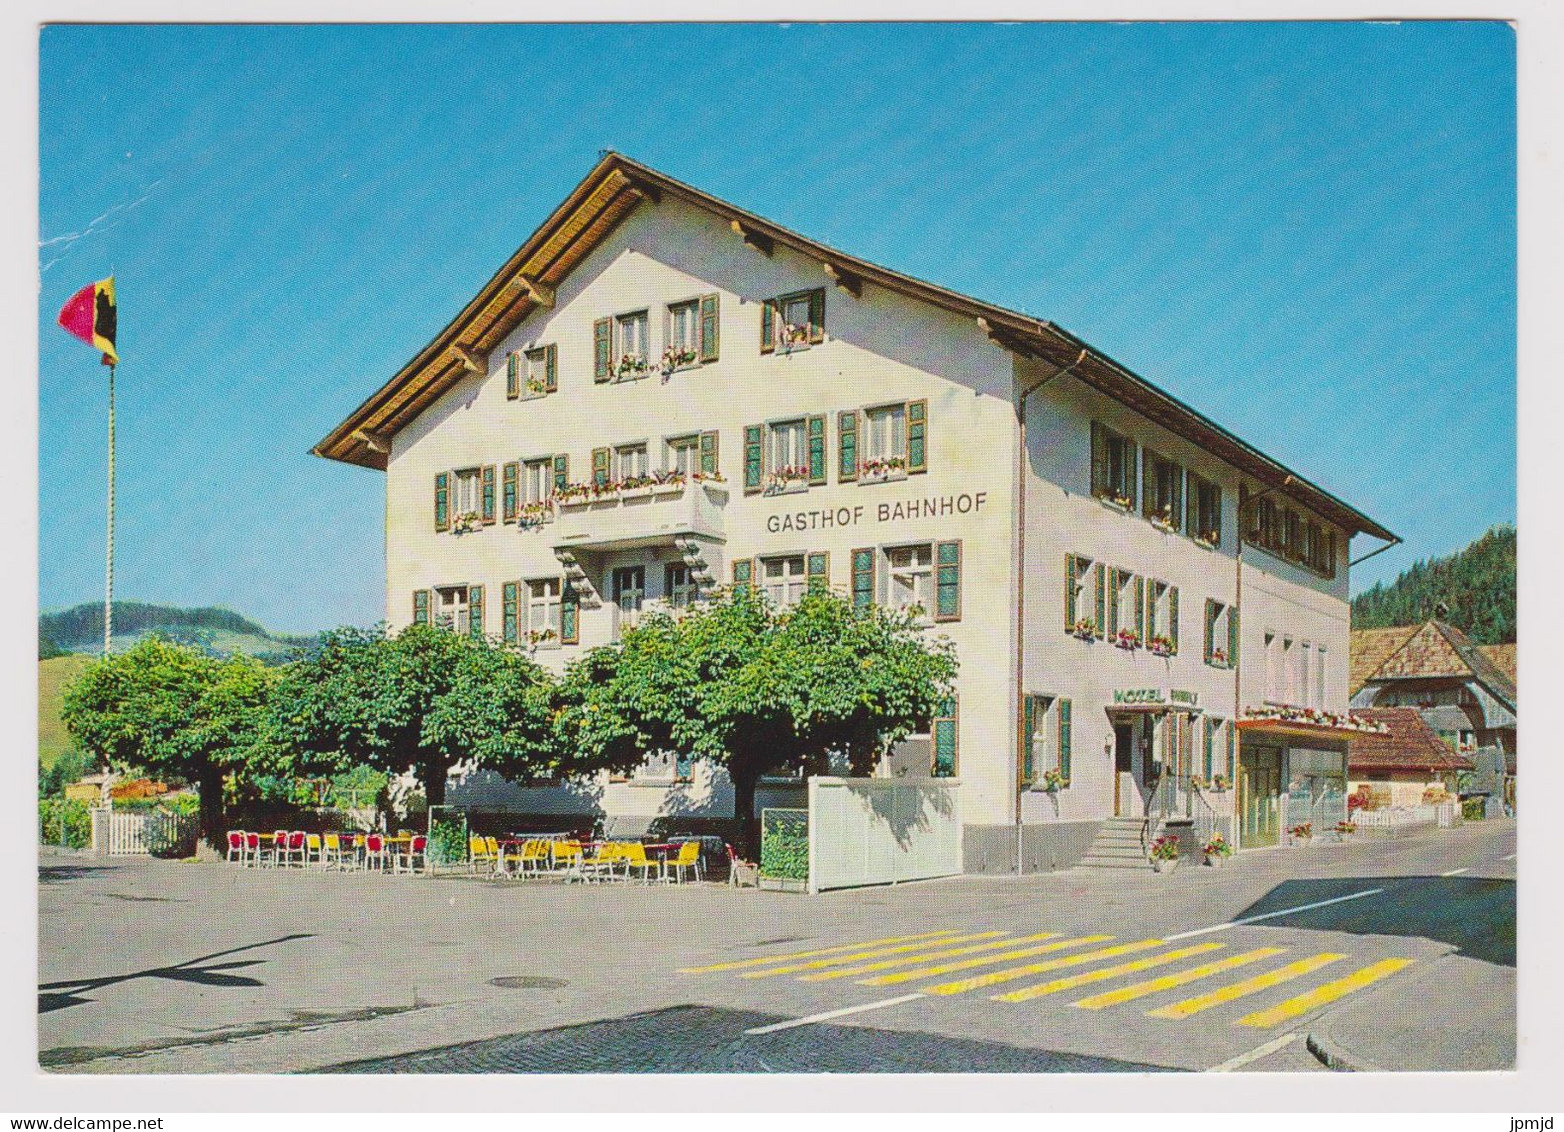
1020,681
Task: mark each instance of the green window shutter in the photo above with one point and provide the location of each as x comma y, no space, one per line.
947,581
1192,507
1065,737
1113,600
561,471
1140,608
1069,593
817,567
817,315
1232,637
710,327
945,740
420,607
509,482
768,326
602,349
442,501
847,445
743,573
1208,743
569,615
487,477
513,375
917,436
709,454
1178,498
509,607
600,466
1132,464
1232,752
816,434
863,578
1101,579
754,464
1028,729
475,610
1099,460
1146,500
1172,599
551,367
1210,645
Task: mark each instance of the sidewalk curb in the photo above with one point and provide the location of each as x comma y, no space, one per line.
1336,1059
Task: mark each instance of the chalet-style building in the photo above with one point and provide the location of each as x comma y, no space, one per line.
660,393
1397,766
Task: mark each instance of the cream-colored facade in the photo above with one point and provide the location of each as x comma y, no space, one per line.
885,360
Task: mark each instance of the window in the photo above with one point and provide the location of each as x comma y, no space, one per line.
1082,617
885,439
630,462
540,371
543,611
1126,610
679,588
1161,617
629,584
1205,510
1319,677
1162,493
452,610
793,322
537,480
1221,650
1046,740
683,454
1113,466
1292,536
469,491
630,346
789,452
911,574
783,579
664,768
684,335
946,741
1217,749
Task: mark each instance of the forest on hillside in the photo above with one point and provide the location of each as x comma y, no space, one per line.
82,626
1472,589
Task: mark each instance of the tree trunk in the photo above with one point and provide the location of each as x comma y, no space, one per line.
744,779
210,785
434,782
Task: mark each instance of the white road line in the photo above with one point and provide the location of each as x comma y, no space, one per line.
1456,872
829,1014
1272,915
1511,857
1257,1053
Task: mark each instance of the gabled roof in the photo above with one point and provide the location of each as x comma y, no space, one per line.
616,186
1437,650
1410,744
1370,648
1503,657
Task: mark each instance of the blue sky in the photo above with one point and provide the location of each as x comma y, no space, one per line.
1307,231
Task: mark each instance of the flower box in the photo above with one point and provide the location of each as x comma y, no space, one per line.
1160,646
1126,639
1165,524
465,523
677,359
1218,658
1054,781
1085,629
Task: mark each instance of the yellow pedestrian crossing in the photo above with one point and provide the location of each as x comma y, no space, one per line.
963,985
967,964
815,964
737,963
1168,982
1247,987
822,976
1319,996
1070,982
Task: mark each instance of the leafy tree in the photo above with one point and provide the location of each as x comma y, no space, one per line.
47,649
171,711
1473,589
755,689
68,768
422,699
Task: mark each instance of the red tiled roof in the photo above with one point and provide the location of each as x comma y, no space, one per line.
1410,745
1370,648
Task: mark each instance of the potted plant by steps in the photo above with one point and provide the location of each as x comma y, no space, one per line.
1302,833
1054,781
1345,829
1164,854
1217,849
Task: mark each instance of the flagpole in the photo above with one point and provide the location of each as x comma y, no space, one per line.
108,582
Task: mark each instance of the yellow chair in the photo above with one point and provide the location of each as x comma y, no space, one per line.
567,859
313,854
478,852
633,856
689,858
534,857
602,863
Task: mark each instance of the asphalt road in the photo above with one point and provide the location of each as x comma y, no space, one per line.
161,967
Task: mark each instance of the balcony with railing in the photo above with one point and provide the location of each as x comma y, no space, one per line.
652,514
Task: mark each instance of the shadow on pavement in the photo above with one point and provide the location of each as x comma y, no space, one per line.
1476,915
71,992
703,1039
61,874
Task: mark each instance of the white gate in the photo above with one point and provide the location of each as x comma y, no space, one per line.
882,830
117,833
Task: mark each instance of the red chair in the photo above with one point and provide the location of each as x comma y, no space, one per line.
375,854
236,845
293,849
415,858
252,849
279,847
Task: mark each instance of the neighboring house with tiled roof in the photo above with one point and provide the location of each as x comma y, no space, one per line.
1503,657
1395,767
1465,695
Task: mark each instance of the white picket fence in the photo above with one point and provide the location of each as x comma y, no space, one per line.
116,833
882,831
1445,815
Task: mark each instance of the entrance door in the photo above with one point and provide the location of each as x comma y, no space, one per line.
1259,796
1123,766
629,593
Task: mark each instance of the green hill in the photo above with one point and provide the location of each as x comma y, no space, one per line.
221,631
1472,589
53,676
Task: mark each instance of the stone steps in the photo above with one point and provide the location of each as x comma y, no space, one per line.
1117,846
